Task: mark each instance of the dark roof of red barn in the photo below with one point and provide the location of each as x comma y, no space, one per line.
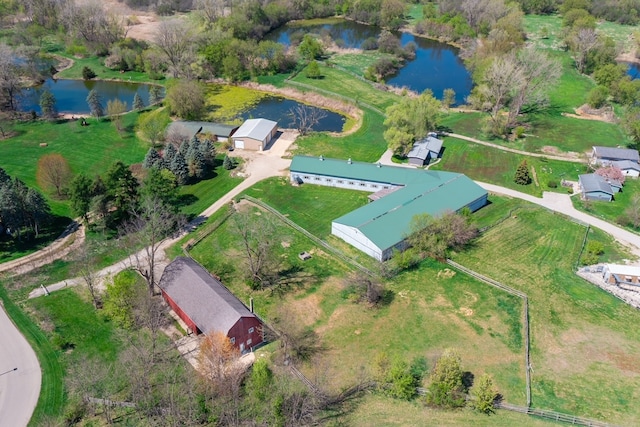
203,298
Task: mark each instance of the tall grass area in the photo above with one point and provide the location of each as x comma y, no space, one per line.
583,350
225,103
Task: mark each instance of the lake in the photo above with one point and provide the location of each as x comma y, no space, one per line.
71,95
437,66
278,109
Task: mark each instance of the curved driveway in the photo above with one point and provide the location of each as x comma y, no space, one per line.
20,375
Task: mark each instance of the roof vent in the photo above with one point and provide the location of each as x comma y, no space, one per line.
321,158
349,161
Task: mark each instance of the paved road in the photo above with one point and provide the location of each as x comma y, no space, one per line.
19,388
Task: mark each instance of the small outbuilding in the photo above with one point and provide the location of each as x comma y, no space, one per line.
255,134
628,167
605,155
616,274
206,305
595,187
425,150
188,129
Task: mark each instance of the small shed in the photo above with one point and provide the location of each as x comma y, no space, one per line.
206,305
222,132
617,274
255,134
628,167
595,187
424,150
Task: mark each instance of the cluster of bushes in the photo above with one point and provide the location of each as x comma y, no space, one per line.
390,44
592,253
127,55
620,11
188,161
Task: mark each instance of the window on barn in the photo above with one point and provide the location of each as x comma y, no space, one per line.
328,180
251,330
317,178
249,341
233,340
340,181
306,177
374,186
362,184
351,182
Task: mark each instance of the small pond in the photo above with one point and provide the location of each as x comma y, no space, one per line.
71,95
436,66
633,69
278,109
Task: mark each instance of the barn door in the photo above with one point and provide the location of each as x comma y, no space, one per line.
239,143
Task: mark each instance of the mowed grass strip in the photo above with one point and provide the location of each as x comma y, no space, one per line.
52,399
584,353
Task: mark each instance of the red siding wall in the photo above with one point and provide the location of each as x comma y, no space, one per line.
240,331
181,314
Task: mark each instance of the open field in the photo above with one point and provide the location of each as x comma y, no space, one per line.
357,63
583,352
102,72
495,166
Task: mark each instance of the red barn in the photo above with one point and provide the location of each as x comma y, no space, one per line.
206,305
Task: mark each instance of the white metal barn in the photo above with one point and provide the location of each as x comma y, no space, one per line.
398,195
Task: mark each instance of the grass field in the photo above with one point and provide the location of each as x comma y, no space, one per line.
102,72
52,398
357,63
583,352
495,166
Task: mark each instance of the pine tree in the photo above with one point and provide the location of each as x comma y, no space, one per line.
484,394
522,174
227,163
154,94
184,148
152,159
208,151
95,103
179,168
48,104
169,153
196,163
138,104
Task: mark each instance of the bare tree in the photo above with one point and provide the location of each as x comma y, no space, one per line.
175,39
582,42
258,238
538,72
93,25
148,226
367,289
500,84
53,172
85,264
212,10
304,117
10,75
115,109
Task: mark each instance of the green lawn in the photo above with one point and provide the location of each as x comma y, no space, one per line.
91,149
102,72
498,167
366,144
304,205
52,398
582,348
357,63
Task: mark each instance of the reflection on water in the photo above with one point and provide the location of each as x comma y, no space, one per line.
278,109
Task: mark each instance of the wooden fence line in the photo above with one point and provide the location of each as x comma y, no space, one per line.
552,415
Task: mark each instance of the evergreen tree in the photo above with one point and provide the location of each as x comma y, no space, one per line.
80,195
161,183
484,394
152,159
208,151
313,70
138,104
95,103
179,168
446,388
37,210
184,148
4,177
169,153
48,105
122,188
154,94
227,163
195,162
522,176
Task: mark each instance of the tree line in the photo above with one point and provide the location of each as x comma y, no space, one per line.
23,210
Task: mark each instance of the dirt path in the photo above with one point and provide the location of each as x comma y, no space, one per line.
69,240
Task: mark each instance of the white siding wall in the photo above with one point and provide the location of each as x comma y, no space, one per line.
329,181
356,239
631,173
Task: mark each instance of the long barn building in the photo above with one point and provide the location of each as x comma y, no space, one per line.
398,194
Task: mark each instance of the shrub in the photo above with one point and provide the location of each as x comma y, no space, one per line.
552,184
370,43
519,131
598,96
88,73
595,247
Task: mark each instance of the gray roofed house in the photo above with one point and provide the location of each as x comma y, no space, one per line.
188,129
606,155
628,167
424,150
255,134
206,305
595,187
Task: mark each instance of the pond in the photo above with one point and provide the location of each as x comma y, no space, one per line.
71,95
633,69
437,66
279,109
